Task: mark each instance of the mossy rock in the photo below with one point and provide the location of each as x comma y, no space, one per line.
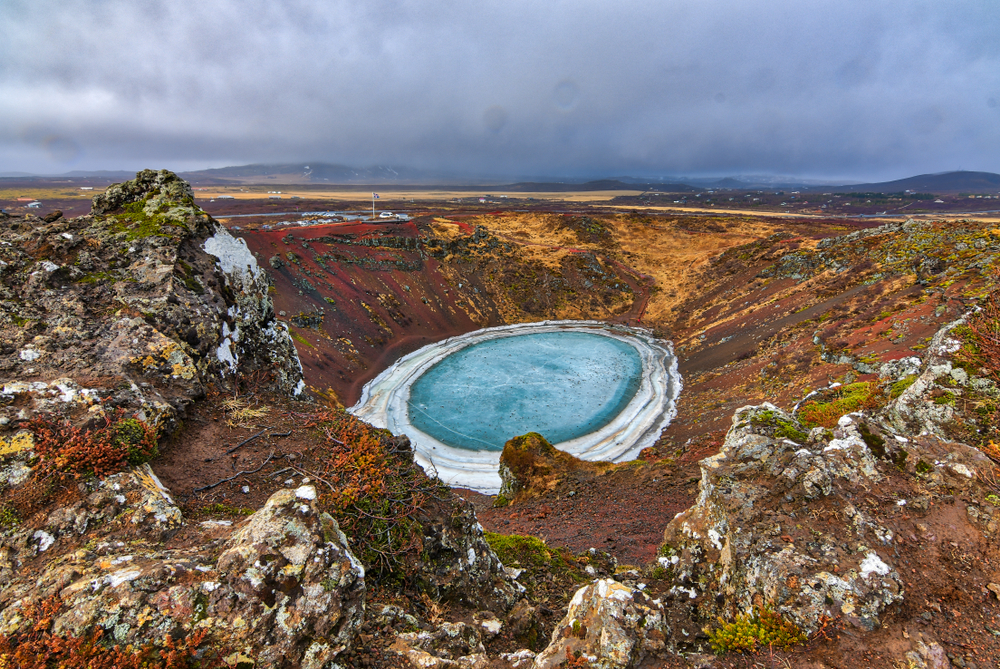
779,425
530,462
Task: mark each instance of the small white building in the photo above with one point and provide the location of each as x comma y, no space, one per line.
34,205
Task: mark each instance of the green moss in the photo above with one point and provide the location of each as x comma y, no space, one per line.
132,435
8,518
749,632
945,399
876,444
993,499
899,387
224,509
299,338
190,279
96,277
923,467
136,223
520,551
846,399
783,428
200,608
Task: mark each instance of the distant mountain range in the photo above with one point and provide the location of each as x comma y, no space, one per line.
330,174
945,182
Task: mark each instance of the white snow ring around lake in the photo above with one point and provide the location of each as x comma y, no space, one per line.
384,403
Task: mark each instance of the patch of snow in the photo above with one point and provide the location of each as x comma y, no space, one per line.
716,539
491,626
949,346
845,421
122,576
30,355
902,440
299,387
209,586
690,592
233,254
66,235
226,355
872,564
306,492
49,266
901,502
45,540
472,557
667,562
354,561
610,589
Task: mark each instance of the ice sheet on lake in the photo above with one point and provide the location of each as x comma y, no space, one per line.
597,391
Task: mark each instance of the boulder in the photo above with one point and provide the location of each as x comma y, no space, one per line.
459,566
610,625
293,581
755,535
450,646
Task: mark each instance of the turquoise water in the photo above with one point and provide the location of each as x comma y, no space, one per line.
561,384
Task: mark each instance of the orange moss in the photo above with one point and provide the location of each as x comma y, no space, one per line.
71,452
35,646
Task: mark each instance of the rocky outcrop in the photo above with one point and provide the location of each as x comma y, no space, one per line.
449,646
138,305
459,566
609,625
529,463
927,405
285,589
751,538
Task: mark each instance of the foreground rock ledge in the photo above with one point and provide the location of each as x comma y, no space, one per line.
285,589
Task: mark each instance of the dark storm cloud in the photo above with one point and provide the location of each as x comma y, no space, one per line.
848,88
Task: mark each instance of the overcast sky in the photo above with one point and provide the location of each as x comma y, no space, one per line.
854,89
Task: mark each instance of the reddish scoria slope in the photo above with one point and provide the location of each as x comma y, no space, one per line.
359,295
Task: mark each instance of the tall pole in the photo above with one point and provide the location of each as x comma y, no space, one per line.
373,206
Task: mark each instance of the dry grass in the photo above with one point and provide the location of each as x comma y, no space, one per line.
241,414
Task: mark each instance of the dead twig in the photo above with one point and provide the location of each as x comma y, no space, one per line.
247,441
237,475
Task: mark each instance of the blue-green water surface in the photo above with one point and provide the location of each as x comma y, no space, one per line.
561,384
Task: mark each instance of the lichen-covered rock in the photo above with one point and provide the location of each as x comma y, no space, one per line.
451,646
293,582
918,409
253,332
137,305
132,503
149,186
751,540
927,654
285,591
610,625
460,566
